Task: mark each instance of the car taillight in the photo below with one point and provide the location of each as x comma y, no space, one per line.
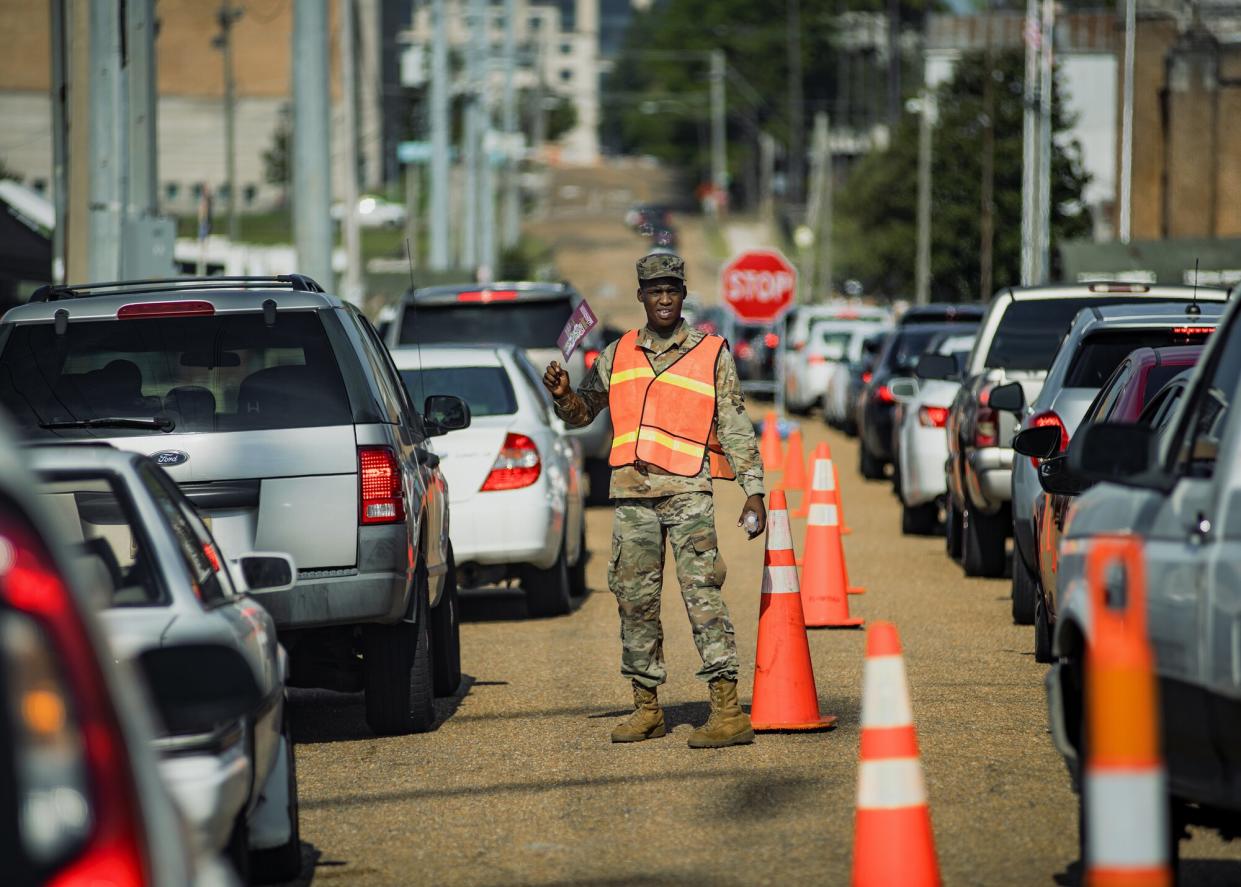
771,340
1049,419
164,309
933,417
883,394
744,350
379,475
590,357
487,296
867,376
78,809
986,427
517,466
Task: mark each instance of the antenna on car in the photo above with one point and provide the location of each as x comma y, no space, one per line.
413,306
1193,310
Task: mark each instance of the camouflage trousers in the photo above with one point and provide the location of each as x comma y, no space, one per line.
636,574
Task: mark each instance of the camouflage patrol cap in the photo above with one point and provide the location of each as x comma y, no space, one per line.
661,264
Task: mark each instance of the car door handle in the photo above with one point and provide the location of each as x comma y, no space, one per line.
427,458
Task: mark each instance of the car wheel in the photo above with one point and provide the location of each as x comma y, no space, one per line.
276,865
1025,591
1042,631
952,530
396,666
577,573
446,635
547,591
919,520
983,544
870,467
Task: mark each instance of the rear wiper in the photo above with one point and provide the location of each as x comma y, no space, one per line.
155,423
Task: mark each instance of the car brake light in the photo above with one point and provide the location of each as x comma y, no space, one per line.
1119,288
771,340
165,309
986,422
517,466
744,350
590,357
1049,419
379,476
883,394
487,296
209,551
867,376
1193,331
933,417
76,798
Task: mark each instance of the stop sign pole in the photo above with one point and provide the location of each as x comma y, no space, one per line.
759,287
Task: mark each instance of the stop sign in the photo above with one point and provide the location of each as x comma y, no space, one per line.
759,285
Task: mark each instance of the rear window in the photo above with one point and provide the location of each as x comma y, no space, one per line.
833,343
227,372
1098,356
909,343
524,323
1157,378
486,389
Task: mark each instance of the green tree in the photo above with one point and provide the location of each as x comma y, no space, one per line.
278,159
876,210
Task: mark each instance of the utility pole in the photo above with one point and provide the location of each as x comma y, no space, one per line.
986,216
59,81
719,145
1031,34
105,141
226,17
1046,88
474,59
1126,128
312,170
486,136
823,236
820,161
512,196
922,269
797,139
767,170
438,224
351,287
894,62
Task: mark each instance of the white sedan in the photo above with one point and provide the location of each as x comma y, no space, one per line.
515,490
837,404
809,366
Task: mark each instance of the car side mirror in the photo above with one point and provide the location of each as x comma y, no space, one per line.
1009,398
1055,476
267,571
196,687
1040,442
1118,452
444,413
936,366
903,388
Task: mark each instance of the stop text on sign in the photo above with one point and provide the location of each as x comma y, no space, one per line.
759,286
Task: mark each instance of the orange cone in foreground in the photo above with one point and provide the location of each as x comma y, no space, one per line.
1124,781
825,585
769,446
892,839
785,697
794,477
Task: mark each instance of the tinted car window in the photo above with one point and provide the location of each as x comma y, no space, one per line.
526,323
1030,331
486,389
907,344
227,372
1099,355
1207,415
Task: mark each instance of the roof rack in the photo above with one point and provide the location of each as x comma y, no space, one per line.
54,293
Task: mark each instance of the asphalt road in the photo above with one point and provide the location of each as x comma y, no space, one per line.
518,784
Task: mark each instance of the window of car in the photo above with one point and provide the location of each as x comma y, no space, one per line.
223,372
107,537
833,344
1196,443
486,389
202,557
1098,355
1030,331
526,323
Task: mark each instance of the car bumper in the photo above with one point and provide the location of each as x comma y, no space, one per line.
923,454
989,478
210,789
508,527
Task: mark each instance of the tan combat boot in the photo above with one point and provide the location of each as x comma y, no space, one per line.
727,724
647,720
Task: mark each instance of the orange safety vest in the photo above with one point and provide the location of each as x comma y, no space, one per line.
666,418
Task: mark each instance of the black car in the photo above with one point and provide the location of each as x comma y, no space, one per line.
875,404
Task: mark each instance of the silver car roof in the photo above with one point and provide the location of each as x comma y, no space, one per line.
225,301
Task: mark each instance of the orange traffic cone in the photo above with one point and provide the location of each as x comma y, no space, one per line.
769,447
794,477
785,697
825,583
892,838
1124,784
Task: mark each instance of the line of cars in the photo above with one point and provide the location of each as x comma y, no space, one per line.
232,482
1101,409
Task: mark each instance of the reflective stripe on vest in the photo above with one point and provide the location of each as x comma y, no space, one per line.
668,418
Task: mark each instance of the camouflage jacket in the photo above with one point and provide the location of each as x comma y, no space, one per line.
736,433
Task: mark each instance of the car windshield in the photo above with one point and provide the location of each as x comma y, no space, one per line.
486,389
1098,356
526,323
229,372
106,538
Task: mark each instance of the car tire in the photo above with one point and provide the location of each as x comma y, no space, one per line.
547,591
982,549
398,673
577,573
869,467
275,865
952,530
1025,591
1042,631
919,520
446,635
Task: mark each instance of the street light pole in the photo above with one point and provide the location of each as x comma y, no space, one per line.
1045,145
922,270
351,286
438,227
1126,128
719,144
1029,146
512,197
226,17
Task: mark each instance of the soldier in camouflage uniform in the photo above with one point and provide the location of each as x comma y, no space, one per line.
653,505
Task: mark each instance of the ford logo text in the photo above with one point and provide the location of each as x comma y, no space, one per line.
171,457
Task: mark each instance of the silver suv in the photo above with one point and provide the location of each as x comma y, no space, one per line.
277,410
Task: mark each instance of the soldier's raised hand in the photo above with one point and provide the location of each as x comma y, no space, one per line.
556,380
